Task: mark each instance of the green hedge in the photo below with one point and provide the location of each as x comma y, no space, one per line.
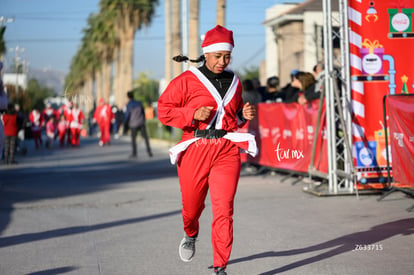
157,130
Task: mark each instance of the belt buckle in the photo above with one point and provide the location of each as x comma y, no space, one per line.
198,133
211,134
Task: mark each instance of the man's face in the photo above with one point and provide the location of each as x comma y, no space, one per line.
218,61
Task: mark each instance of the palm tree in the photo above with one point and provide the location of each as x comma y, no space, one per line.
108,41
168,53
85,67
221,12
176,38
105,40
130,16
2,43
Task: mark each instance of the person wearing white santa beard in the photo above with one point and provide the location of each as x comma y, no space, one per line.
206,103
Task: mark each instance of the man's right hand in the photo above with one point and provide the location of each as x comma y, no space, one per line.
203,113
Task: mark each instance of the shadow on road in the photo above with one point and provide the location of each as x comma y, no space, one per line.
370,239
56,233
54,271
63,172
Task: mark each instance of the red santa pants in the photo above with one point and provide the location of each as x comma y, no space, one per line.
62,135
105,127
75,133
37,137
210,164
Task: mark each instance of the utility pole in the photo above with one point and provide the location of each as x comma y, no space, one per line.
17,50
5,19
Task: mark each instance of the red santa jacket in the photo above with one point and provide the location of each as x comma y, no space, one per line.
10,124
76,118
192,90
36,119
103,114
49,112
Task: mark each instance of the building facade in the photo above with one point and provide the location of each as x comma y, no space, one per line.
294,38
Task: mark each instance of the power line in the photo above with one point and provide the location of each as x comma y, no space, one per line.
137,37
253,56
50,18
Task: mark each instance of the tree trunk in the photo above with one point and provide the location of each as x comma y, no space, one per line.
89,98
126,60
176,35
194,29
129,64
120,68
98,86
115,76
106,79
221,12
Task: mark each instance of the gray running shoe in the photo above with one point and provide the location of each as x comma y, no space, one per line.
219,271
187,248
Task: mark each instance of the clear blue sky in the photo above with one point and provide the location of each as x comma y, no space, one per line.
50,31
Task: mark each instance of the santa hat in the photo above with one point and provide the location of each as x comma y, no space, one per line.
218,39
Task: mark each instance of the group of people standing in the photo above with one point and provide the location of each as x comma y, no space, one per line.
302,88
64,124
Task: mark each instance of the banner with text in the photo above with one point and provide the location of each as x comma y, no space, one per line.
284,135
401,125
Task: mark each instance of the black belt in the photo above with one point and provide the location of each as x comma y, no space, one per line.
210,133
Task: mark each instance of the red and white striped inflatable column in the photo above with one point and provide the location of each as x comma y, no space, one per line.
355,18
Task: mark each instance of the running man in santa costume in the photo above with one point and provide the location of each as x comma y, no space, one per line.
206,103
103,116
76,119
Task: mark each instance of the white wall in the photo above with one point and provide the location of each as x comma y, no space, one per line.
271,46
12,79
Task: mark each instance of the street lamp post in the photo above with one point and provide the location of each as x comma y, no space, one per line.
4,19
17,49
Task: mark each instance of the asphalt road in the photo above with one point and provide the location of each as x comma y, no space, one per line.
91,210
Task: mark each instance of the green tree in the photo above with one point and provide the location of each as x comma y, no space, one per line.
108,43
145,88
249,73
2,42
130,16
36,94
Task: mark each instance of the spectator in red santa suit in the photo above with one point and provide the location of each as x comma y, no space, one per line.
50,131
10,131
36,119
3,107
49,112
104,117
206,103
62,127
67,113
76,119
